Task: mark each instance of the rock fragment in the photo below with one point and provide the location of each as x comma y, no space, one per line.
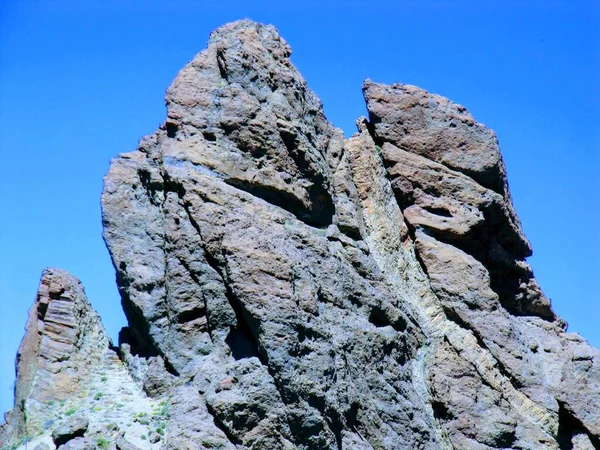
122,444
73,428
42,446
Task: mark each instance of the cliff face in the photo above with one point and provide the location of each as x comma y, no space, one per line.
288,288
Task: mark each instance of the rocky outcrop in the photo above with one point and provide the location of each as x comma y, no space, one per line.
373,293
64,341
241,278
72,390
287,288
448,177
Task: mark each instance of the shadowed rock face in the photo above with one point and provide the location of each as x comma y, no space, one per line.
289,289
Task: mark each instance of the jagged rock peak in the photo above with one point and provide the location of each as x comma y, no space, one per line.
64,340
450,180
371,292
242,98
63,336
72,390
286,288
432,126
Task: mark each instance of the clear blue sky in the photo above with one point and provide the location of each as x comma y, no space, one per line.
81,81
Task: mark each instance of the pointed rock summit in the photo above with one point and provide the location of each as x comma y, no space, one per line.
286,288
69,380
64,341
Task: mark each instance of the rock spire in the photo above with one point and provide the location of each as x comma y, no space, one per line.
287,288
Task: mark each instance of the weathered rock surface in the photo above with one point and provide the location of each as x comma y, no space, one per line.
70,383
79,443
241,277
287,288
64,340
42,446
122,444
272,259
448,177
72,428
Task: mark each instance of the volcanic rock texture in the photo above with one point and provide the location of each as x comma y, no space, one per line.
287,288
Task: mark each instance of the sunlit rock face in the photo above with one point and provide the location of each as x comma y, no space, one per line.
64,338
287,288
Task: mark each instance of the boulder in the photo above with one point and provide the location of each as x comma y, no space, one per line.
74,427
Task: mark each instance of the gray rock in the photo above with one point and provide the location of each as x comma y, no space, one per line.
42,446
265,260
64,342
434,127
449,178
79,443
123,444
74,427
236,283
154,437
286,288
448,204
581,441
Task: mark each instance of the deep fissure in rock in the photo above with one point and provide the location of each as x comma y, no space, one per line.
283,200
322,207
569,426
240,339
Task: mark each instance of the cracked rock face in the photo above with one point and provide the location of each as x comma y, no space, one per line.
72,391
64,340
287,288
304,291
249,274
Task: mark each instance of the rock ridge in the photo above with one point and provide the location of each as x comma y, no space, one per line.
287,288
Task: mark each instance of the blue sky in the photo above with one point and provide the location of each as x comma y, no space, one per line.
82,81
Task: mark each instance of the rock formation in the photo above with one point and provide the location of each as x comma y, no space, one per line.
70,380
63,341
287,288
